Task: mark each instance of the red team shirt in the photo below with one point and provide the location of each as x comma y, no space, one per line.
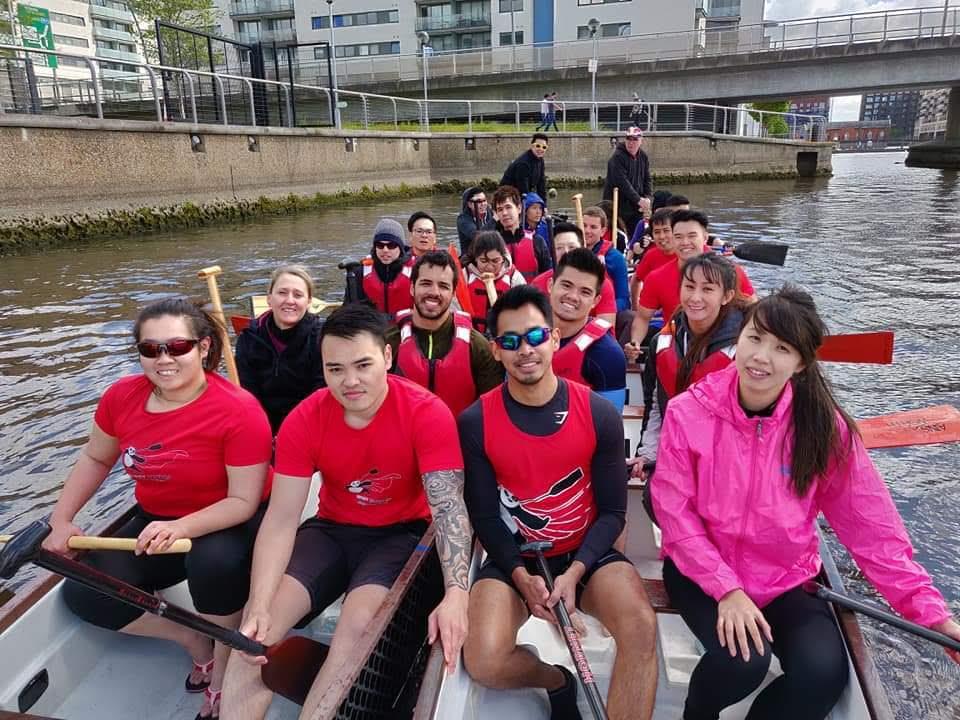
608,301
651,260
178,459
661,289
372,476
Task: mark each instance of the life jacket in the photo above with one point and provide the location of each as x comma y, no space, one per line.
390,297
669,355
449,377
605,247
545,494
568,360
478,296
524,256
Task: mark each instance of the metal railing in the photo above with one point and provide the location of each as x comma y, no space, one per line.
157,92
849,29
452,22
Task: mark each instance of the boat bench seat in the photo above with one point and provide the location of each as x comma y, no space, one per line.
657,595
4,715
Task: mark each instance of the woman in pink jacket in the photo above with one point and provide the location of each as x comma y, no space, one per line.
748,458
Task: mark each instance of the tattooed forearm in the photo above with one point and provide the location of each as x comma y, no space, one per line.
444,490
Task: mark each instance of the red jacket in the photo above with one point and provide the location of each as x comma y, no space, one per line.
389,298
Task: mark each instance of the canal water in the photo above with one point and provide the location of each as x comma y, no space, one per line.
873,243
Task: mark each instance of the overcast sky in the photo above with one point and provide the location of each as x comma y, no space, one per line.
842,108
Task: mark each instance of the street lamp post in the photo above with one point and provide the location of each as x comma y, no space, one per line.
594,26
424,38
333,68
513,35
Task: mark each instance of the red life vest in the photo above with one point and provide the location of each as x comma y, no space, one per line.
668,363
568,360
545,487
524,256
389,298
449,377
479,301
605,247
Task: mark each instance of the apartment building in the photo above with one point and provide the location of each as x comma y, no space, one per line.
932,114
899,106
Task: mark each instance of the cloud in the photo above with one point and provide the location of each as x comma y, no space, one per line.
790,9
846,107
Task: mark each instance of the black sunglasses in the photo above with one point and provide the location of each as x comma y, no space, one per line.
173,348
533,336
380,245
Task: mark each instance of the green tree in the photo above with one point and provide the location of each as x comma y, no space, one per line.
197,14
775,125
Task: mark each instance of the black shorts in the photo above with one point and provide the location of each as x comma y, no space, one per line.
330,558
558,564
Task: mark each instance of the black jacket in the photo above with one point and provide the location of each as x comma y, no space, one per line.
467,225
280,380
527,173
632,176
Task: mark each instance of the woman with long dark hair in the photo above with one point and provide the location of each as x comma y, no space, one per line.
748,458
278,354
197,449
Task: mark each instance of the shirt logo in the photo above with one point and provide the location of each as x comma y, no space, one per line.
562,511
560,417
146,463
371,488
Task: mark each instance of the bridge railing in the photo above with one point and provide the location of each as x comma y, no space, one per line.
84,87
852,28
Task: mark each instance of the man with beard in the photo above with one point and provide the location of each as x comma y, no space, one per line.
588,353
437,347
544,461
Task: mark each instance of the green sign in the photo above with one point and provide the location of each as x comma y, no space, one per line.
36,33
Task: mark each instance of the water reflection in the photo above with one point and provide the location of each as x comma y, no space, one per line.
870,243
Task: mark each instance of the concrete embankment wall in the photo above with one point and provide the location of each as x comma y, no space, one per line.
67,173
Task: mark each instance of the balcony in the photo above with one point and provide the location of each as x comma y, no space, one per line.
286,35
120,55
453,22
110,11
260,8
118,35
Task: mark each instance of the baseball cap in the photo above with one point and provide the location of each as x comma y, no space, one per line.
634,132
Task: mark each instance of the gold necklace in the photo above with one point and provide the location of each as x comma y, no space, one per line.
159,393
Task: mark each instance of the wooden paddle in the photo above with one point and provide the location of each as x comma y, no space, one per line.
88,542
578,203
927,426
210,275
864,608
871,347
491,288
613,220
292,663
768,253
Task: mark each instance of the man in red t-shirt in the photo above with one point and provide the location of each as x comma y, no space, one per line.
389,457
657,256
567,237
661,290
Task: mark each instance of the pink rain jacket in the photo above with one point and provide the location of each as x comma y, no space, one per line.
730,517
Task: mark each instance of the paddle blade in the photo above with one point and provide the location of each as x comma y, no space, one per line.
292,666
463,293
872,347
940,424
769,253
239,323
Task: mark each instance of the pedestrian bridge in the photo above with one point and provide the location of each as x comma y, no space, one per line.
847,54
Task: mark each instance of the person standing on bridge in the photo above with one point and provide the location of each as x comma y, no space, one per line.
527,173
629,170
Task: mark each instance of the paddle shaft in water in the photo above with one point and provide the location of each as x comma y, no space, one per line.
594,700
865,608
87,542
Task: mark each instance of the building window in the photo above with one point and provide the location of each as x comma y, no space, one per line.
374,17
68,40
511,6
517,39
113,25
67,19
360,50
607,30
583,3
112,4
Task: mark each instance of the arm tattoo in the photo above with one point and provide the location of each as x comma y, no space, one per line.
444,490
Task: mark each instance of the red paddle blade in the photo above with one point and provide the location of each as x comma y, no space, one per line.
463,293
871,347
940,424
240,323
292,666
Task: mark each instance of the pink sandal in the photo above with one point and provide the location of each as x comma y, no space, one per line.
213,697
204,669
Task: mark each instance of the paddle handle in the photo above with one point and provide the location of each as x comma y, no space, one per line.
613,220
89,542
578,204
211,276
491,288
876,613
594,700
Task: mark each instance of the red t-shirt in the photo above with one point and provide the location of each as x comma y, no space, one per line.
178,459
372,476
651,260
608,301
661,290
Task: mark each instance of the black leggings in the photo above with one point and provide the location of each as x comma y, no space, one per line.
217,571
806,640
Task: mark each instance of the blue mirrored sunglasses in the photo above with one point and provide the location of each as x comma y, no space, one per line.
533,336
